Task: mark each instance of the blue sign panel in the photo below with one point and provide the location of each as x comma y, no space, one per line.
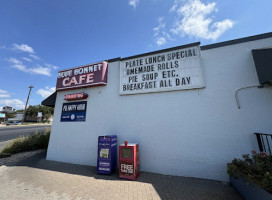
74,112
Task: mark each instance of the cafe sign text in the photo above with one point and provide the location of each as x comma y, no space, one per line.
83,76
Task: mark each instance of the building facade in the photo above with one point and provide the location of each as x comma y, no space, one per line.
187,123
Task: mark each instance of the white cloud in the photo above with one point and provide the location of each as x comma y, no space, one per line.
17,64
20,67
134,3
158,28
54,67
27,59
193,20
23,47
34,56
46,92
176,4
40,70
34,67
4,94
3,91
14,60
16,103
34,70
161,36
160,41
3,47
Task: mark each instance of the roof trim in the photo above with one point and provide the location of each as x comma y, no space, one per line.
114,59
237,41
162,51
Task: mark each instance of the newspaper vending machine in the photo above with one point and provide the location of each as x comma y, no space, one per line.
129,161
106,155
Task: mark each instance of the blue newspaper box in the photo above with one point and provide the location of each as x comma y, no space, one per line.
106,155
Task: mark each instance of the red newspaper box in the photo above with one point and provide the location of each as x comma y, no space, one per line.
129,161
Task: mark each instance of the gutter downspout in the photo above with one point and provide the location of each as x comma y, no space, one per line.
247,87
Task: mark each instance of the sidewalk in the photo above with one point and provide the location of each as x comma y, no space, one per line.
37,178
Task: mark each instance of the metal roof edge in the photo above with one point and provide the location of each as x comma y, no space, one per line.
236,41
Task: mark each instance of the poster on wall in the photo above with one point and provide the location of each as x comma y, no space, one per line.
83,76
171,70
74,112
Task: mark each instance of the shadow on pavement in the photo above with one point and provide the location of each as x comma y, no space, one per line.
167,187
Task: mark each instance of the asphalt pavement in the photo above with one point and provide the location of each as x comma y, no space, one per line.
9,133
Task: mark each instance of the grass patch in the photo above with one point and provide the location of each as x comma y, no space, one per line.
28,143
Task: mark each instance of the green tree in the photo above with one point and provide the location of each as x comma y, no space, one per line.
9,115
47,112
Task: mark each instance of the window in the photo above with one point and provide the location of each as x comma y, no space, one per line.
104,153
126,153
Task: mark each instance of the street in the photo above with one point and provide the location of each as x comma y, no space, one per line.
9,133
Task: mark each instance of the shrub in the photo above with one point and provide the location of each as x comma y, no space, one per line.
28,143
257,168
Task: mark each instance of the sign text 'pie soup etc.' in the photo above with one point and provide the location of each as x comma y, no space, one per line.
83,76
171,70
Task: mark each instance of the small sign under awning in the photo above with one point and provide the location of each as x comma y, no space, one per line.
75,96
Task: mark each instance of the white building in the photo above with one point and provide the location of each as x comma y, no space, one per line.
17,117
7,109
191,130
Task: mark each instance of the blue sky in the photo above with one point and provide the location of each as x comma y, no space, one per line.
40,37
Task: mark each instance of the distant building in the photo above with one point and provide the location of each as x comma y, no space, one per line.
8,109
18,117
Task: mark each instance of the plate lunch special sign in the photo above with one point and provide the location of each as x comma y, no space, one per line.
178,69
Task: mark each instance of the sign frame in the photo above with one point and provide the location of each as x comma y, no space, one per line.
40,114
75,113
164,52
95,74
76,96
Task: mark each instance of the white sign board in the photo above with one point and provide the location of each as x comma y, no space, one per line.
39,114
2,115
179,69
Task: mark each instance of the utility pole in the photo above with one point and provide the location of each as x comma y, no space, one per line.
30,87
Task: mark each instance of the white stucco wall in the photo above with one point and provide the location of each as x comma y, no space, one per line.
191,133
